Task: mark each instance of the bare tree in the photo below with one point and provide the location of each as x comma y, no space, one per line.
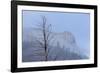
46,36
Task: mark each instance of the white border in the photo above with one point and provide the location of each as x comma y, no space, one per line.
53,63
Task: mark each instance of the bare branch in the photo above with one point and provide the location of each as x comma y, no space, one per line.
40,42
45,29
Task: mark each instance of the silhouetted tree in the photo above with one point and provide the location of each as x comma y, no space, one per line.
46,36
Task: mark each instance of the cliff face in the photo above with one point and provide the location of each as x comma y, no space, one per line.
62,46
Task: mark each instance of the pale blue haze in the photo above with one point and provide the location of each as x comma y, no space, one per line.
76,23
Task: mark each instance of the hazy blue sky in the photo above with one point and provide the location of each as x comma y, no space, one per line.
76,23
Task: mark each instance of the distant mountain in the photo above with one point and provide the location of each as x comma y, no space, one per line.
62,46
